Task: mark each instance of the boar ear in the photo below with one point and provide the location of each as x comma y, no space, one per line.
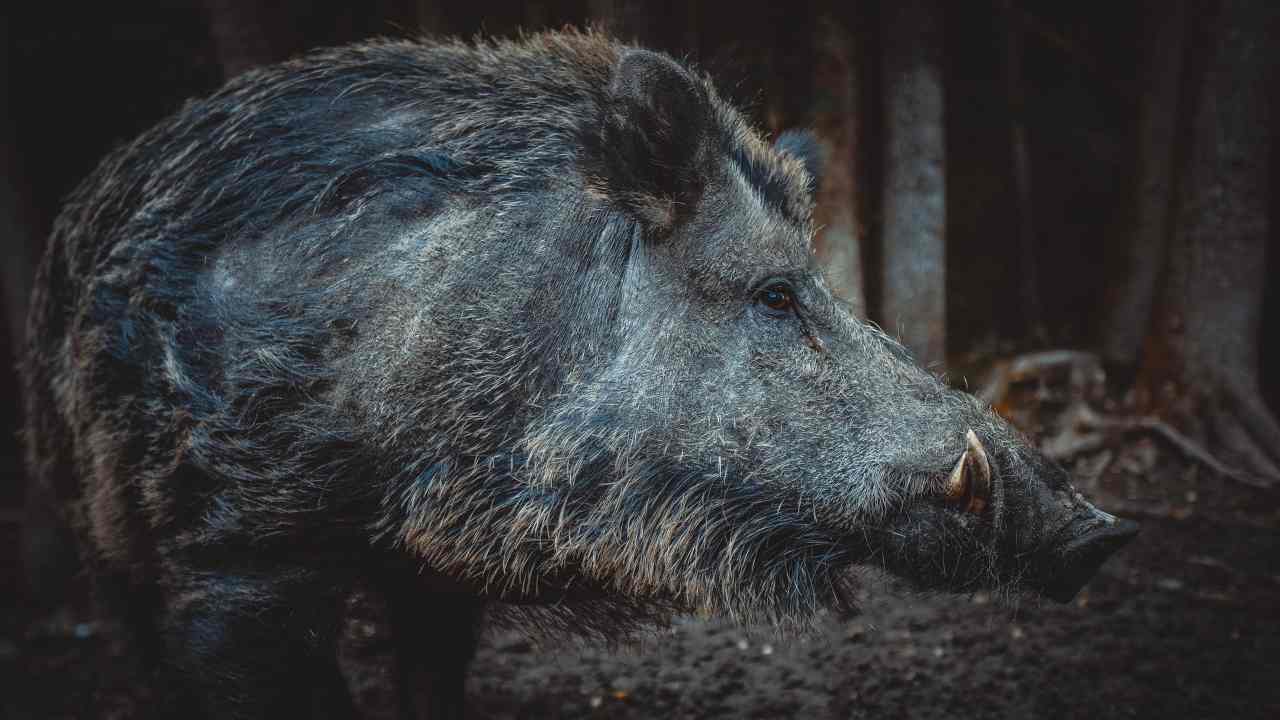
653,135
804,146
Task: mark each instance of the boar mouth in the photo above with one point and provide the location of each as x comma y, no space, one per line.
1074,562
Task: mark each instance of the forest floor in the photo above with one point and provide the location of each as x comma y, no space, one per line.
1185,622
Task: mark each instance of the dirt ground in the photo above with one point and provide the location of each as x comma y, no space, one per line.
1183,623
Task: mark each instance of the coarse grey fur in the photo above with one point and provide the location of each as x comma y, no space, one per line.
481,323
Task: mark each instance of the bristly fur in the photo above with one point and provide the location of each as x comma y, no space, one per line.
479,322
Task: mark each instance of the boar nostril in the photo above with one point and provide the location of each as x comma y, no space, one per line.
969,485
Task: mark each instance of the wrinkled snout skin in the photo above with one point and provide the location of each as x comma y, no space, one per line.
535,323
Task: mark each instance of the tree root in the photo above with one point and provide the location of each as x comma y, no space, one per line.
1243,424
1102,430
1247,432
1084,369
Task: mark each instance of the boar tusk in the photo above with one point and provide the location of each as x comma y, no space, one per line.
969,484
981,469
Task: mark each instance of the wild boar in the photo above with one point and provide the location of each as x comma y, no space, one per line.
530,322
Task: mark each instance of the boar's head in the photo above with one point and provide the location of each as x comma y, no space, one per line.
698,421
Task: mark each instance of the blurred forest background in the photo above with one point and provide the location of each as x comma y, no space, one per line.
1068,203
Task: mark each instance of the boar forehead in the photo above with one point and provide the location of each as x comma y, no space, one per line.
738,238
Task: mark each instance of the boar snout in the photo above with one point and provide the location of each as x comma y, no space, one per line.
1080,548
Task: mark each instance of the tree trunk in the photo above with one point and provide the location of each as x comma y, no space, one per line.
20,258
21,248
1203,353
1135,263
839,241
1019,153
914,242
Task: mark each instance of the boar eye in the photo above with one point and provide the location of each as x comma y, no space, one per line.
776,299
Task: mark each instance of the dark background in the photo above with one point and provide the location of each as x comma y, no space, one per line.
1030,264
